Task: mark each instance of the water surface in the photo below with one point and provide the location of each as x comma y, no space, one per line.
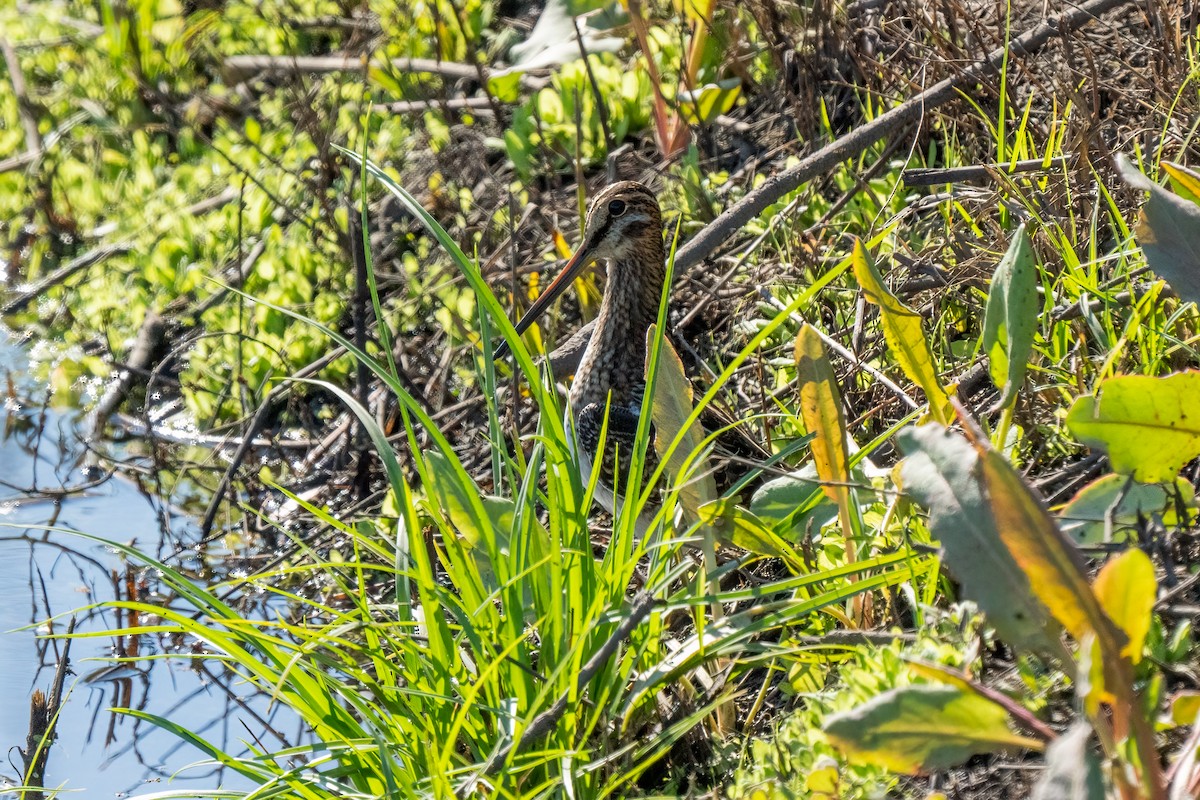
45,574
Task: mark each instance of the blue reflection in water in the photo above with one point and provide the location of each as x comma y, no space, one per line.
46,573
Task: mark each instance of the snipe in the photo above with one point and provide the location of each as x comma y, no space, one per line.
624,229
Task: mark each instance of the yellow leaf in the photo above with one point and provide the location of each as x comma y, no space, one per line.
1148,425
696,11
1056,572
822,779
1185,708
1126,588
821,409
534,334
560,244
903,333
1185,182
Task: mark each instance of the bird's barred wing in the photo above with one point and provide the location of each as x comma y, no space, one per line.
619,442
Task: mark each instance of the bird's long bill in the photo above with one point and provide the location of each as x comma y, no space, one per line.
575,266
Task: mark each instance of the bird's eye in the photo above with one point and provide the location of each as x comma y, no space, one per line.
616,207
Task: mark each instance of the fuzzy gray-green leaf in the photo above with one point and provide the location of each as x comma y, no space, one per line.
1168,231
942,472
1072,769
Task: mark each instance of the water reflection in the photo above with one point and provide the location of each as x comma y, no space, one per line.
45,573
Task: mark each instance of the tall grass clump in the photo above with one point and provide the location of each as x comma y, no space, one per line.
504,655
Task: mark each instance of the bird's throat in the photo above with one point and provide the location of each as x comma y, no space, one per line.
615,357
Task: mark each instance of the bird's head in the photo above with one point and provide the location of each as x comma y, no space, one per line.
623,226
623,219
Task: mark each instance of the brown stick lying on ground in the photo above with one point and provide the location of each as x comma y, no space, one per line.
978,172
565,359
238,68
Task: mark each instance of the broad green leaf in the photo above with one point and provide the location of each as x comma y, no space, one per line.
1122,501
1168,231
941,471
1072,768
903,333
517,151
1184,181
923,728
1011,318
743,529
1127,588
709,101
461,501
796,498
1149,426
670,411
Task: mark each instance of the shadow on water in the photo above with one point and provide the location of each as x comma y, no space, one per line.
46,574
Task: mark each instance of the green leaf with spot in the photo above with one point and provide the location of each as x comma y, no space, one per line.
1149,426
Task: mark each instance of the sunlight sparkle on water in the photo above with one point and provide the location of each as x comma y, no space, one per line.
91,388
